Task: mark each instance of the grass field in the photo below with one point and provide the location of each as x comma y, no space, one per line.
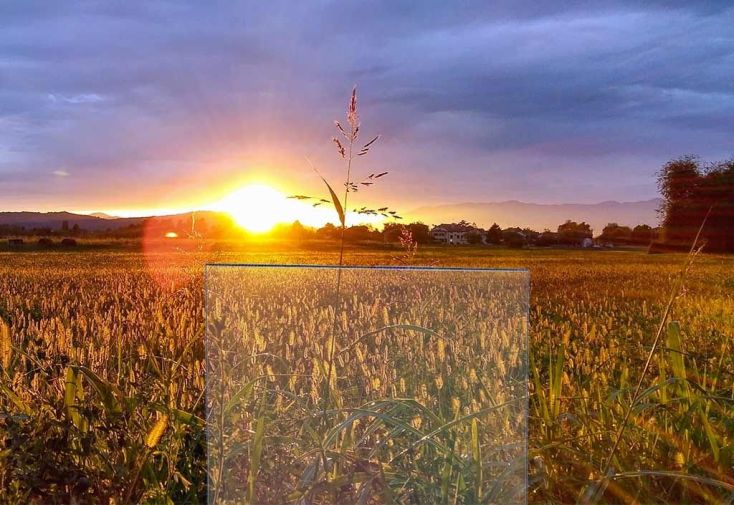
103,373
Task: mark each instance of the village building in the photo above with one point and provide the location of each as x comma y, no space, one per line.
456,233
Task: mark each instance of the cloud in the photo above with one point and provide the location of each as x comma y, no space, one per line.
61,173
76,99
495,100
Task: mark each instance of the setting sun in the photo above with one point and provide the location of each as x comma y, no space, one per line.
257,207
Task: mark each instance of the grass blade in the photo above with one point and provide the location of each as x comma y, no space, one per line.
337,203
255,455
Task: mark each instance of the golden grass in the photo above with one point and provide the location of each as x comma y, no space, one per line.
134,344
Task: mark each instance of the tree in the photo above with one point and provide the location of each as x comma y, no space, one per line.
421,232
298,231
531,236
642,234
328,231
573,233
616,234
679,184
717,193
694,193
494,234
474,237
360,233
546,239
391,231
513,237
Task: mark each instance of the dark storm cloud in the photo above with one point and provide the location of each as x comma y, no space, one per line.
521,100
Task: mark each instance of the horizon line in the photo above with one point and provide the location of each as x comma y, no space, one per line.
139,213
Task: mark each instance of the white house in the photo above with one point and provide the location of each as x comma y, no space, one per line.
454,233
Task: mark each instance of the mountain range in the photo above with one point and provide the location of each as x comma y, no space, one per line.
56,220
509,213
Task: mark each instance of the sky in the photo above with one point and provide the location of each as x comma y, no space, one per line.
134,107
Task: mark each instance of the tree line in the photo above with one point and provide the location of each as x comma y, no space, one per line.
569,233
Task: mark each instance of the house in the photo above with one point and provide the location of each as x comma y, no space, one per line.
15,242
456,233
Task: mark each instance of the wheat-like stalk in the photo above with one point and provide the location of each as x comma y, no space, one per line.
6,345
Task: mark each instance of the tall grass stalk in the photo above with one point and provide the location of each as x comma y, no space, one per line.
353,120
347,153
350,135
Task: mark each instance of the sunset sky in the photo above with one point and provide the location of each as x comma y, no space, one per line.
161,106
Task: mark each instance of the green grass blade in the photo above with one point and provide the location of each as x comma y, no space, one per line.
255,455
477,456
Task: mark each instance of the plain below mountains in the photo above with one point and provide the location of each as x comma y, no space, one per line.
506,214
540,216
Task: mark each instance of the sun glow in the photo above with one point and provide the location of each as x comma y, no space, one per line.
258,208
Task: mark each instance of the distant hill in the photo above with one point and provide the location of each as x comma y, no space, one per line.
100,222
55,220
541,216
102,215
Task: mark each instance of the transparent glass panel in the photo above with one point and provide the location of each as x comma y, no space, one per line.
366,385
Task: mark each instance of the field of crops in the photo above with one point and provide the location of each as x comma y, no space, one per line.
102,390
415,353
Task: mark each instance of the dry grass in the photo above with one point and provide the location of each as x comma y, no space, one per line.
102,351
420,358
